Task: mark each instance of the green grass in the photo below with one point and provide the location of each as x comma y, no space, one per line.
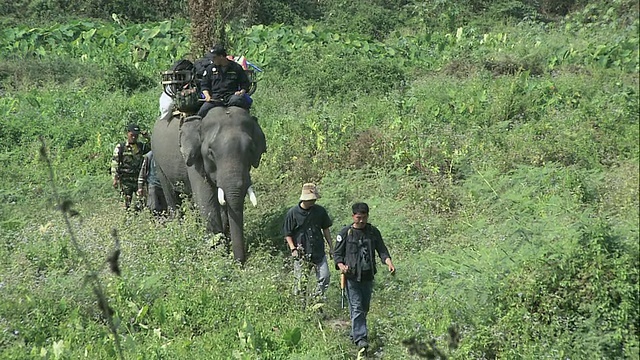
503,176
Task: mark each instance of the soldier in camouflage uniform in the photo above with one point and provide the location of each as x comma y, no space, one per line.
126,163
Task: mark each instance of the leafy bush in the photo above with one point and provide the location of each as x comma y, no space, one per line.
120,75
338,78
556,8
55,10
585,291
512,9
429,16
286,12
100,42
372,19
30,72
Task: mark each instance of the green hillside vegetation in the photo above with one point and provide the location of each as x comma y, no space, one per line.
497,143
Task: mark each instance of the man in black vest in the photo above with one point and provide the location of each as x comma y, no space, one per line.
354,257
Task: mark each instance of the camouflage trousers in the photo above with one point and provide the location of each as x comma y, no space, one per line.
128,187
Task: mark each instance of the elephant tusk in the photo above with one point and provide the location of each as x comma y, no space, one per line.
221,196
252,196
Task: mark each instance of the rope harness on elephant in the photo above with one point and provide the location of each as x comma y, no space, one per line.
181,114
185,119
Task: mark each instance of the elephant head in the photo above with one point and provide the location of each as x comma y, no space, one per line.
190,140
225,144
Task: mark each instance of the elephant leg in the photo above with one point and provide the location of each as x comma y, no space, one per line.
206,200
172,200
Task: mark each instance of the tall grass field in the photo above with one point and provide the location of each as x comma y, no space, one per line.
497,144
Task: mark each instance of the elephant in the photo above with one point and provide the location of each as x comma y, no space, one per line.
211,159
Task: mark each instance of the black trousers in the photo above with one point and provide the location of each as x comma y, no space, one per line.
234,100
155,200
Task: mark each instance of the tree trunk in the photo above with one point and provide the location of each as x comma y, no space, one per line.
209,19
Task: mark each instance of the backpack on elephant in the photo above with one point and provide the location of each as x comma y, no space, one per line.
180,83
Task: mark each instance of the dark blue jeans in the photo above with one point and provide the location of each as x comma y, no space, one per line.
359,294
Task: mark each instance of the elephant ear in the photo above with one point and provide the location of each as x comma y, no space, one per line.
260,145
190,139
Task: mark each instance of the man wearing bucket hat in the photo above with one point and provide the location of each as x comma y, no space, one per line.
306,228
126,163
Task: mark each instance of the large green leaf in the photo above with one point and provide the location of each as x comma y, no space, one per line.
87,35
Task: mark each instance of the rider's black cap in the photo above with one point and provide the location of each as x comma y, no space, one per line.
218,50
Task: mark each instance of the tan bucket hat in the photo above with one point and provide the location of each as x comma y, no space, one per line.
309,192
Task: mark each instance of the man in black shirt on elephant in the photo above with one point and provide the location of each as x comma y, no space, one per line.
225,83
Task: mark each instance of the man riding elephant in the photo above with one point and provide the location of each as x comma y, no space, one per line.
225,83
209,155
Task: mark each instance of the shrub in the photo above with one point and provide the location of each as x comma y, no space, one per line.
590,290
286,12
29,72
366,18
55,10
342,77
120,75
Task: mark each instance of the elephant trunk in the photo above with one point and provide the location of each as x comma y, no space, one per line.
235,210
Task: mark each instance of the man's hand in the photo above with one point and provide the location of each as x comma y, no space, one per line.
140,192
207,96
297,251
115,183
240,92
392,269
343,268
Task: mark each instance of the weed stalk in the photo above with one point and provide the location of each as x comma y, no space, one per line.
92,277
